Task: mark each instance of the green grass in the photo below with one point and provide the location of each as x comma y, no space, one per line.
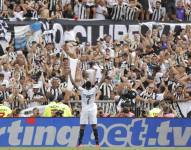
89,148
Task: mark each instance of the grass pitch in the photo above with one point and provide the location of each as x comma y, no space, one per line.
91,148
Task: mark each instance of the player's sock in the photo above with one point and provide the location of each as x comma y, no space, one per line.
96,136
81,136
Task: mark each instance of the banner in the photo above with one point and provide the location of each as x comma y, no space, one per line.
91,30
113,132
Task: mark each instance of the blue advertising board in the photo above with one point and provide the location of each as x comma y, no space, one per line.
113,132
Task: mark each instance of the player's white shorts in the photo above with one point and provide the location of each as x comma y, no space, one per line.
88,116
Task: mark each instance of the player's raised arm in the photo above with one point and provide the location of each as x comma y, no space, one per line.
73,82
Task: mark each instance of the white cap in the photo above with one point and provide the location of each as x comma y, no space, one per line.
36,86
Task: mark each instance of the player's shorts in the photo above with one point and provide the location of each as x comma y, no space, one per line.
88,117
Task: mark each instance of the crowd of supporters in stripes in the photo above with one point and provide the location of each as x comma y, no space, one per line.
145,73
136,10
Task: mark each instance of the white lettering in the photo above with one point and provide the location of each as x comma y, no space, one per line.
58,27
101,31
119,32
81,30
180,138
89,34
2,131
63,139
40,133
28,135
14,130
163,132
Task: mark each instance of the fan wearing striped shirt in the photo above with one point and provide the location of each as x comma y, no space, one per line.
181,96
148,96
4,93
16,100
131,11
106,88
52,7
81,9
54,89
118,11
188,11
159,13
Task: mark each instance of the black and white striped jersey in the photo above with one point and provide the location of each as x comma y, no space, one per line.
80,11
130,12
118,12
54,92
158,14
106,90
188,15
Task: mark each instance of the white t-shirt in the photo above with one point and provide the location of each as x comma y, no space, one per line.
88,98
99,12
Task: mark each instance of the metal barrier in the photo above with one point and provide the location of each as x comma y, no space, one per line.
110,107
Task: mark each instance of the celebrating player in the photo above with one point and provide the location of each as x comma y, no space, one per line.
89,108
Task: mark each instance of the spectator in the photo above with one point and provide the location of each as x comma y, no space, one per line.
125,113
144,9
68,12
159,13
170,8
101,10
81,9
52,7
4,110
36,112
118,11
54,88
16,100
35,97
101,114
151,66
127,98
180,11
168,112
3,81
16,112
131,11
19,11
106,88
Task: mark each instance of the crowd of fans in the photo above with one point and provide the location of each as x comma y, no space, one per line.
146,76
157,10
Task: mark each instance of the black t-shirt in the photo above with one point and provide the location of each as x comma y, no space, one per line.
145,4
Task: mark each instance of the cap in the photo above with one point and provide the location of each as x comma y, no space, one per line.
36,86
